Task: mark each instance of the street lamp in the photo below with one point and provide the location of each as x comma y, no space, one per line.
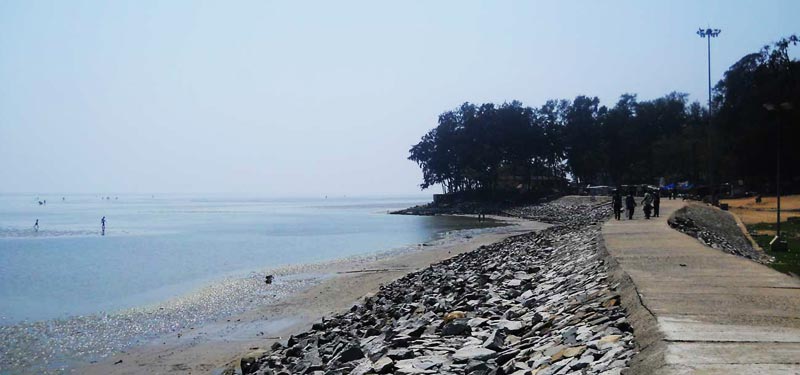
777,243
708,34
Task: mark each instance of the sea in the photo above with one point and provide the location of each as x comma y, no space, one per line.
156,247
72,292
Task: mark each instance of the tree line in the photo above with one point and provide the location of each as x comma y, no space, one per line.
477,147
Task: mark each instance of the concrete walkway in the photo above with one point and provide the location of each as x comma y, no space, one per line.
715,313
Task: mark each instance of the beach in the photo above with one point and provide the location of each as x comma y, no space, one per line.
327,288
169,265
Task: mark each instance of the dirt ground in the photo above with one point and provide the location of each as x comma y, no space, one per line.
751,212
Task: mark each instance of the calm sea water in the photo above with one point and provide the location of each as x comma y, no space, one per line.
158,247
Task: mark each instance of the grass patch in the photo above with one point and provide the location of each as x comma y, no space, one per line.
788,262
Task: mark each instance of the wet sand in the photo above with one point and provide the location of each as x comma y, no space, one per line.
213,347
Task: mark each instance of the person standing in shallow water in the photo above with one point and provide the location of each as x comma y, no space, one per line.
647,202
36,226
656,202
103,226
616,204
630,205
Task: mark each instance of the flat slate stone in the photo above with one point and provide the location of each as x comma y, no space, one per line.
465,354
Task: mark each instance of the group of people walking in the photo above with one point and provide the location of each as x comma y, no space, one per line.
650,204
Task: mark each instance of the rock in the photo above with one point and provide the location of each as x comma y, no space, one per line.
582,362
397,354
574,351
468,353
510,326
250,361
313,359
384,365
477,322
480,367
364,367
351,353
570,336
610,338
495,341
456,327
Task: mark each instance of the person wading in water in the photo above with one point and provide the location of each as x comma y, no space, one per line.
103,226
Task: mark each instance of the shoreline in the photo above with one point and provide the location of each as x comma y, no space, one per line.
540,302
329,287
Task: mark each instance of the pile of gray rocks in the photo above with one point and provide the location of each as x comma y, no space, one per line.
460,208
539,303
565,213
715,229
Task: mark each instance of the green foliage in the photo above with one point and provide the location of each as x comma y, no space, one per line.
473,147
745,129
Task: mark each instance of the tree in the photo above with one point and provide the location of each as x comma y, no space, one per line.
474,147
746,128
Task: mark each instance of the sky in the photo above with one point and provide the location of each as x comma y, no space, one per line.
303,98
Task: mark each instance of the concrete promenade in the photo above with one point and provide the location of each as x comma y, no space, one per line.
697,310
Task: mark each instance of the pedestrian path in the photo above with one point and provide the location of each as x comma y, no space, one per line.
716,313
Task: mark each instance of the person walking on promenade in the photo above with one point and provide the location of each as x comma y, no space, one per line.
630,205
656,202
616,204
647,202
36,226
103,226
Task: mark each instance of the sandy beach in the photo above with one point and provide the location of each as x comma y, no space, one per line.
216,346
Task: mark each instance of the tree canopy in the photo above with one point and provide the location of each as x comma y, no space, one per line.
475,147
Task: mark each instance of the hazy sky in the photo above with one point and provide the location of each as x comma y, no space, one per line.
315,98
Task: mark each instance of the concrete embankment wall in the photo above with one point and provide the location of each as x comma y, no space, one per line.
649,339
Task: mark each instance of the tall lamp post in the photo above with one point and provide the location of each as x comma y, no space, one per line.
777,243
708,34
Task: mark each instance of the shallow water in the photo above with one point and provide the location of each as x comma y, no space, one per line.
159,247
69,295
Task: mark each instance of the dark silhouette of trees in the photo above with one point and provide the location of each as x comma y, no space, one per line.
746,129
480,148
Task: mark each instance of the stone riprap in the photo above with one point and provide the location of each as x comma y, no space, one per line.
716,229
574,212
539,303
461,208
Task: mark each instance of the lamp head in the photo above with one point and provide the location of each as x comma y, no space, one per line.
710,33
